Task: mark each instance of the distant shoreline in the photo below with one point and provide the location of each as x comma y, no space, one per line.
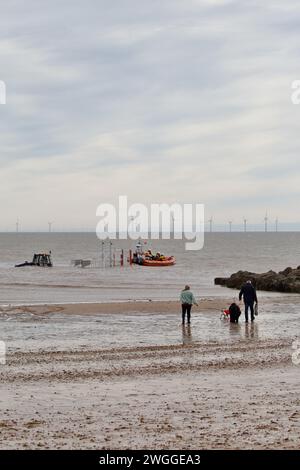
239,230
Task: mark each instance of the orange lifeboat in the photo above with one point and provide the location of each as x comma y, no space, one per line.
168,261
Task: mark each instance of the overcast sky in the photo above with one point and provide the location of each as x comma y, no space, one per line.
162,101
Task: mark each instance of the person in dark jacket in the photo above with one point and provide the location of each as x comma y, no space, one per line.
248,293
234,312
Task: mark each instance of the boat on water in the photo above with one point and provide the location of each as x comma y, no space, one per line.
148,259
168,261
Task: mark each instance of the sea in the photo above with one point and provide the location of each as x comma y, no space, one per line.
106,281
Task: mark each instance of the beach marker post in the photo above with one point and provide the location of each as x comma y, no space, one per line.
102,254
130,257
110,254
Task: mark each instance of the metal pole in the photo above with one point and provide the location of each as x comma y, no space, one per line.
110,254
102,253
130,257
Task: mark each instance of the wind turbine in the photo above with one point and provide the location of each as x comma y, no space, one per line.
50,226
210,224
245,225
266,222
230,226
17,225
276,224
173,226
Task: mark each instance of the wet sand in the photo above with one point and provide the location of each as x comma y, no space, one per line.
130,307
237,394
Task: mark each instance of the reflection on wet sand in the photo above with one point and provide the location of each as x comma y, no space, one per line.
138,324
234,329
246,330
251,330
186,334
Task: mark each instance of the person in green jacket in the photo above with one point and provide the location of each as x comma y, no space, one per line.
187,300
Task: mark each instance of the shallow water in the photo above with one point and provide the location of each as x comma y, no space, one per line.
61,331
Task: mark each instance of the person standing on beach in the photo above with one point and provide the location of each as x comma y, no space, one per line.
248,293
187,301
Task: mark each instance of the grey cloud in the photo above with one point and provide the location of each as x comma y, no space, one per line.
180,88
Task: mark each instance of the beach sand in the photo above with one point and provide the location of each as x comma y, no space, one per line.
194,395
130,307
